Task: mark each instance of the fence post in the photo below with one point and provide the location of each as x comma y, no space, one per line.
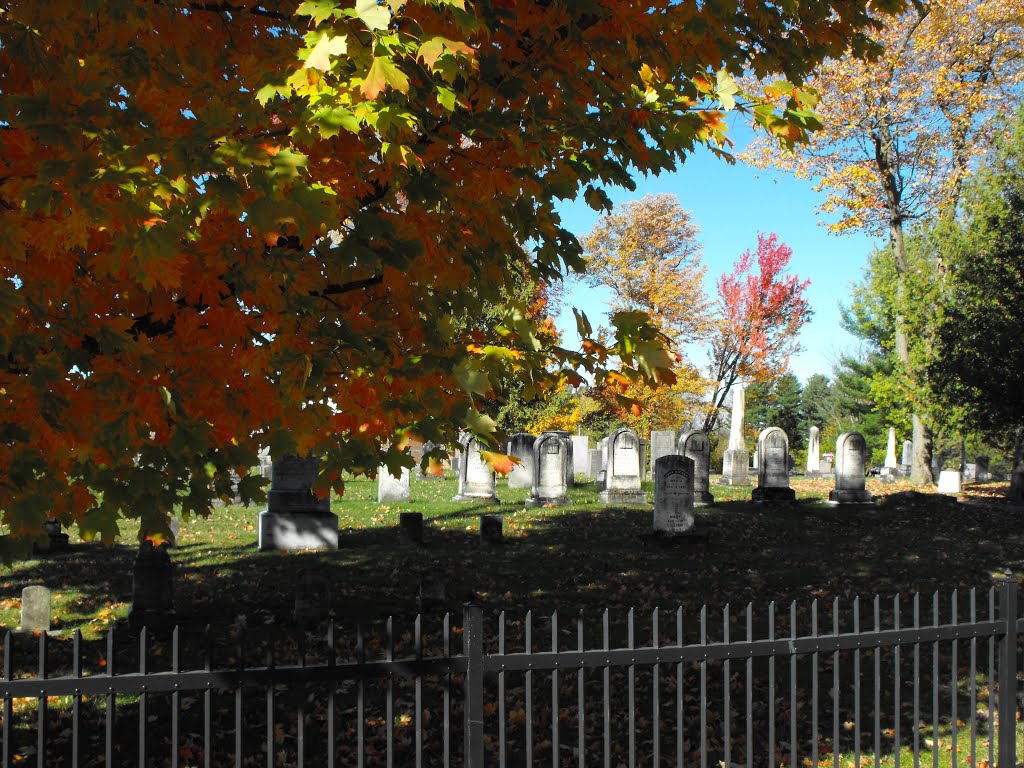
1007,703
473,704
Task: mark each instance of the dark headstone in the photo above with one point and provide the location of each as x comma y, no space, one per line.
312,598
152,588
490,529
410,527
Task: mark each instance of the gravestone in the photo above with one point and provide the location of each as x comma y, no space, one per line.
663,443
696,446
736,460
645,449
295,518
949,481
982,473
152,588
476,478
890,469
35,609
566,436
391,488
906,458
602,475
851,459
673,495
521,446
549,460
622,476
825,466
814,452
970,473
581,455
490,529
435,467
1017,480
595,463
773,467
312,598
433,590
410,527
175,525
266,465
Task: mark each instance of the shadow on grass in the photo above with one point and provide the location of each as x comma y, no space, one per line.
577,557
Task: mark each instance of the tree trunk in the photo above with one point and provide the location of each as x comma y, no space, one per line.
920,470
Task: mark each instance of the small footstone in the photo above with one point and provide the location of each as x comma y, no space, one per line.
490,529
35,609
433,591
410,527
312,599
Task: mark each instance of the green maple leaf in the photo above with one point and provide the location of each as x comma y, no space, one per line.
318,10
383,72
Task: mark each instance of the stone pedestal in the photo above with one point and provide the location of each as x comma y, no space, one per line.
295,518
735,467
949,481
773,495
152,589
297,530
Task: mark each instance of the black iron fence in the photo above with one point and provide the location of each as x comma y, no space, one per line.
866,682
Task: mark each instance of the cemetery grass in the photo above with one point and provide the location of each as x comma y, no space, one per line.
578,557
582,556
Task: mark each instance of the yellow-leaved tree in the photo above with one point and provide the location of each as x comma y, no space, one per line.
899,135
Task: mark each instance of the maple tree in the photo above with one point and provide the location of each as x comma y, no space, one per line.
647,254
760,315
901,132
229,225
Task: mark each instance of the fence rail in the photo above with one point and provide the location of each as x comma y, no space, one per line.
533,692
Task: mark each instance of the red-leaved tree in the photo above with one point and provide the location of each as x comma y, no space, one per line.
760,315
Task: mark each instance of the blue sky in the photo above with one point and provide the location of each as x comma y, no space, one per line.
731,204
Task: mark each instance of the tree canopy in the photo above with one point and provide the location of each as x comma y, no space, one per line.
228,225
901,132
980,331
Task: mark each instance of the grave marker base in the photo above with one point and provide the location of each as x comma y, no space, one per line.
543,501
492,499
623,498
770,495
297,530
847,496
